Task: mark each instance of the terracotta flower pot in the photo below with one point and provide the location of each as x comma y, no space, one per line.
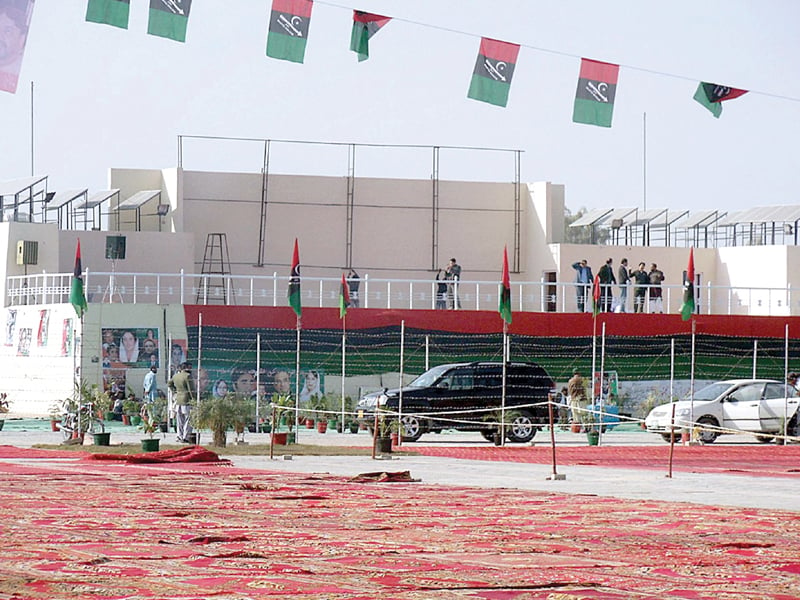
279,438
322,426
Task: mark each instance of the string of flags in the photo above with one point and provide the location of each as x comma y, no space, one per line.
288,32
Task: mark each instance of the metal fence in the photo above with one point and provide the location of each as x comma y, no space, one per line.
236,290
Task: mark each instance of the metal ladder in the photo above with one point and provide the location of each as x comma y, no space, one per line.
215,281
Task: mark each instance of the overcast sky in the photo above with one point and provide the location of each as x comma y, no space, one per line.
107,97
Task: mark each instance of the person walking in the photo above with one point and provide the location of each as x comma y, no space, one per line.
150,388
623,277
578,400
182,385
656,300
641,280
583,282
607,279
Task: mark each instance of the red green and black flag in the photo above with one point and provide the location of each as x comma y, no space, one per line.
505,291
168,19
491,78
365,25
288,29
596,296
712,95
688,289
109,12
344,298
76,296
597,88
294,282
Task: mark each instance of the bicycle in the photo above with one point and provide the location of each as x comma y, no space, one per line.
75,424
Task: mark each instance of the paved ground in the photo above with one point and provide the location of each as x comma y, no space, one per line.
703,488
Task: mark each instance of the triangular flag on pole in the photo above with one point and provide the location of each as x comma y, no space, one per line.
344,298
688,289
505,291
294,282
365,25
109,12
76,296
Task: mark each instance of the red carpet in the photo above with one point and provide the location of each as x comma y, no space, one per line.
767,460
188,454
110,530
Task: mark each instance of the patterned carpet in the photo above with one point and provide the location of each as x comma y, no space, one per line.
111,530
753,460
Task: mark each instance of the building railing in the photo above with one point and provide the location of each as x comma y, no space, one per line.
235,290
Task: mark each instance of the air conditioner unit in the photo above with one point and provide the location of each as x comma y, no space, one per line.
27,252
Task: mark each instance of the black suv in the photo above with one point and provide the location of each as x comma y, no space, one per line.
468,397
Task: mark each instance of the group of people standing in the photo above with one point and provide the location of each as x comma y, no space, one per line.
646,284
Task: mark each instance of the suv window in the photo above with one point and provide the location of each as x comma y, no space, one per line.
779,390
748,393
461,378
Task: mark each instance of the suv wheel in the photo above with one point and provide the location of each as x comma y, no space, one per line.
521,428
411,428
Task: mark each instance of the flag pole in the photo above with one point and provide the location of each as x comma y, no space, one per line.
503,393
199,354
691,385
297,384
400,395
602,374
672,418
258,381
344,351
786,391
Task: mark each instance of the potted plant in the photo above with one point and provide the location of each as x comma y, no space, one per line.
55,411
386,427
95,395
285,415
221,414
4,407
149,425
130,408
592,427
319,407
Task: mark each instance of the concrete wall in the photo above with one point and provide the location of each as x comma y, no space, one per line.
38,367
391,220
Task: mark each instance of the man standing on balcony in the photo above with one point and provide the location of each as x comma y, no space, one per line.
656,301
583,282
353,283
607,279
453,275
623,277
641,279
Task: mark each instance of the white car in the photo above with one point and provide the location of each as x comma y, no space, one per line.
760,406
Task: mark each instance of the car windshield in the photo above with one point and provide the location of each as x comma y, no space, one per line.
710,392
428,378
